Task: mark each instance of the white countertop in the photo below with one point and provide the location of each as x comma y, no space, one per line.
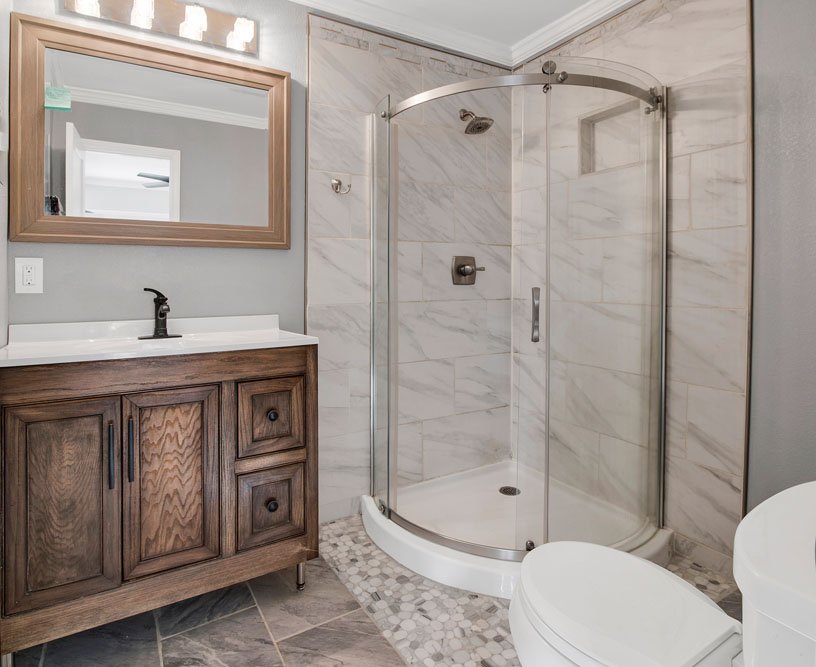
34,344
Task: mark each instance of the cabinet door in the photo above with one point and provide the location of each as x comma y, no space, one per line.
63,503
171,479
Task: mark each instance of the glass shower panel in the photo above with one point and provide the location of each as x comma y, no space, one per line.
603,321
381,385
452,208
530,229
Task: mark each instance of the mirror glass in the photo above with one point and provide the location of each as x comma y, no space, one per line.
125,141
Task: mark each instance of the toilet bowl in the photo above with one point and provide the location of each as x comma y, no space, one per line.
584,605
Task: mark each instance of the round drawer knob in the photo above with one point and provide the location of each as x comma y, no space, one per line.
272,415
272,505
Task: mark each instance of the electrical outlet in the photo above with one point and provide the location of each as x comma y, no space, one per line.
28,275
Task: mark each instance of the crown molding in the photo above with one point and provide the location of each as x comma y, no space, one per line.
568,26
150,105
398,23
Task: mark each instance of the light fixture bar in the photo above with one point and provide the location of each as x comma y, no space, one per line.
177,18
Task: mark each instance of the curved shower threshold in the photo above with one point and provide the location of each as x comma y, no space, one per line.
477,574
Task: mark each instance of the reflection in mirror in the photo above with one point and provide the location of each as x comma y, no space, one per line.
124,141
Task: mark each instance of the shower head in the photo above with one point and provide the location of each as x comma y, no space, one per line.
476,124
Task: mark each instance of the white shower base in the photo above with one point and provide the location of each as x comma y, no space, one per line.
468,507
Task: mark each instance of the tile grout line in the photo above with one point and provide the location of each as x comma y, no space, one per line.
201,625
320,625
158,638
266,625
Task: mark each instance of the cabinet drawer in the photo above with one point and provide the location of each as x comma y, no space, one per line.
270,505
270,416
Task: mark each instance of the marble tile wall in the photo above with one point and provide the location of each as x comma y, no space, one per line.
453,198
700,49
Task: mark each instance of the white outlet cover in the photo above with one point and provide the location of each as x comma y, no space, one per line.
37,264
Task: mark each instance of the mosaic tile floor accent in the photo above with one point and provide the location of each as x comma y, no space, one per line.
434,625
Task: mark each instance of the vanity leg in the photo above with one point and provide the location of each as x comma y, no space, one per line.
301,578
7,660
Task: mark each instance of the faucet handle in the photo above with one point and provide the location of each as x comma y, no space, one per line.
159,295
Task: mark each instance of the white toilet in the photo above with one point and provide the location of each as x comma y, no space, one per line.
584,605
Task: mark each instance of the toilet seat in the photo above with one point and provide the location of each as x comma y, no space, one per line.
598,607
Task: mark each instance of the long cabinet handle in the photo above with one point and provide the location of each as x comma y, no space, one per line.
111,461
535,335
130,450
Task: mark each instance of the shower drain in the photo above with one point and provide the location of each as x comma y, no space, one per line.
509,491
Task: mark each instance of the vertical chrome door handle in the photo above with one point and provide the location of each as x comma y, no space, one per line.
535,336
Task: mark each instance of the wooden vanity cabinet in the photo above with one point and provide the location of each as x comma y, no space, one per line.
131,484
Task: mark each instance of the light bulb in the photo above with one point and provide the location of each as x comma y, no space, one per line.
195,22
244,29
142,14
87,7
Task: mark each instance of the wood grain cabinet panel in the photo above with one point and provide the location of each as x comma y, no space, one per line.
62,495
170,484
270,416
270,505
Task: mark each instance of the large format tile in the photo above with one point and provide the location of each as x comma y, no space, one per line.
708,347
481,382
460,442
716,429
187,614
623,474
719,187
425,390
483,216
353,78
339,271
288,611
30,657
609,203
492,283
352,640
338,140
345,463
438,155
240,640
709,267
338,216
425,212
709,110
704,504
344,334
131,642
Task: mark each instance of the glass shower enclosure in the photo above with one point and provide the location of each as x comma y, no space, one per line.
518,260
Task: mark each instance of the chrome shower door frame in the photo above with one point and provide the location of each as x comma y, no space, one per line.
656,97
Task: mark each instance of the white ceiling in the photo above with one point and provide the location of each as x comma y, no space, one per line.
505,32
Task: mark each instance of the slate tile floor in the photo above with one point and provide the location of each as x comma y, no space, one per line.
356,601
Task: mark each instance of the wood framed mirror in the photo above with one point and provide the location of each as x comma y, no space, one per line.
143,143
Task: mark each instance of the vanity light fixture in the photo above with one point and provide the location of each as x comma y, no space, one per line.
195,23
88,7
176,18
141,16
241,34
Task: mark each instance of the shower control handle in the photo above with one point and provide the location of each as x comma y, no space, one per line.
469,269
535,335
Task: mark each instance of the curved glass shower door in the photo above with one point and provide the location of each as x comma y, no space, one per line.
517,309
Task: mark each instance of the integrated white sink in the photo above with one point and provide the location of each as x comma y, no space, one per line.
31,344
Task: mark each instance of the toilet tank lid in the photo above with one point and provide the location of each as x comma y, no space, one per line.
618,609
775,558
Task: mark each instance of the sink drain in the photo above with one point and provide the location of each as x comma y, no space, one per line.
509,491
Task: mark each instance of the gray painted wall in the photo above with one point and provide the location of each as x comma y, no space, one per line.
782,448
101,282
